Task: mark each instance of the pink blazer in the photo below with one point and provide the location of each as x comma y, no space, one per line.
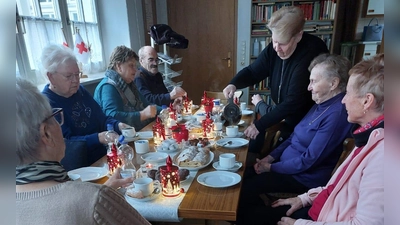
358,198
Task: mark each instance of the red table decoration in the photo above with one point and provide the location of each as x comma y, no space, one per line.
158,131
207,103
170,179
179,133
113,160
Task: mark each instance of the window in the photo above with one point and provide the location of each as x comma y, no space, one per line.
40,22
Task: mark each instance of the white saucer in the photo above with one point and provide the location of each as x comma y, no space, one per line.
239,134
145,199
235,168
246,112
241,122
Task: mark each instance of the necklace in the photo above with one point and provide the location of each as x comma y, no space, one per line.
322,112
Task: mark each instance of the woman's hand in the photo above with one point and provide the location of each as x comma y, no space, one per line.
262,166
251,131
295,204
229,91
286,221
123,125
102,137
149,112
255,99
116,181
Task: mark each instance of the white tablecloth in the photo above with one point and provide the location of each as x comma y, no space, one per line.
162,208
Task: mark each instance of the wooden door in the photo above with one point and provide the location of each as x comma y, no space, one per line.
210,27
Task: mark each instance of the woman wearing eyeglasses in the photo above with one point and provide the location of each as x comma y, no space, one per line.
85,124
44,192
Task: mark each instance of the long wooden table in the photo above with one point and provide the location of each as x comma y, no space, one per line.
201,202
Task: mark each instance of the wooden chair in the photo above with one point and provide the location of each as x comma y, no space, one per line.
271,139
348,146
221,96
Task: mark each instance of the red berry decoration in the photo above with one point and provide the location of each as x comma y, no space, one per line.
182,190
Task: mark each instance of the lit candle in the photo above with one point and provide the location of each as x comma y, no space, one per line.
170,179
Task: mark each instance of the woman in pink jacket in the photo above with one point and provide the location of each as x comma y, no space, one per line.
355,193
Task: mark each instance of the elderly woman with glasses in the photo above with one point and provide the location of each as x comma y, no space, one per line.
44,192
355,193
85,124
118,95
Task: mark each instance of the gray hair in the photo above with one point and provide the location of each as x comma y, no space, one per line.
32,110
145,49
55,55
335,66
286,22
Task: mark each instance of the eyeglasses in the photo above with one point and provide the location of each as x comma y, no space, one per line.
71,75
58,116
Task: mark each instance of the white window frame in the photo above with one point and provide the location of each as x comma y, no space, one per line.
23,61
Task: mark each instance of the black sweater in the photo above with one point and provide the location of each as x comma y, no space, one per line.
294,100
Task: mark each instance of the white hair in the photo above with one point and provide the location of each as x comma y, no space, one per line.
54,55
32,110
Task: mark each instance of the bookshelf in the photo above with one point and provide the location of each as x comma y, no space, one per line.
322,20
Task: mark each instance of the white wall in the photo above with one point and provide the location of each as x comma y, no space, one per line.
243,40
120,24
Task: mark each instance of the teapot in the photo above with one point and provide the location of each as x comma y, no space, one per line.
232,112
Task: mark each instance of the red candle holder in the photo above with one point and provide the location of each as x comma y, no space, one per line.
113,160
179,133
158,131
207,125
170,179
187,106
207,103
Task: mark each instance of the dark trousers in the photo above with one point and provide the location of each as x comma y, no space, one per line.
266,215
251,206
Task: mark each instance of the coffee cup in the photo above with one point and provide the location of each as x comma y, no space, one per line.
128,132
232,131
217,126
146,185
200,116
142,146
227,160
243,106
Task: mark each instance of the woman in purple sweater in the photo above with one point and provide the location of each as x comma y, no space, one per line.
307,158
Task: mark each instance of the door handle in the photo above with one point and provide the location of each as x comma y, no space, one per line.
228,58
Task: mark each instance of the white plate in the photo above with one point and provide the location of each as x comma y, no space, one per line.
145,135
145,199
235,168
236,142
239,134
155,157
241,122
219,179
247,112
90,173
195,168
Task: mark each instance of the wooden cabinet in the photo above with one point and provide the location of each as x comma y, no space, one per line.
322,19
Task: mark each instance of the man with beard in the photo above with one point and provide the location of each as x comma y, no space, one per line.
150,81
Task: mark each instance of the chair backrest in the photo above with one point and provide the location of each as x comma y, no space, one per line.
221,96
271,137
348,146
